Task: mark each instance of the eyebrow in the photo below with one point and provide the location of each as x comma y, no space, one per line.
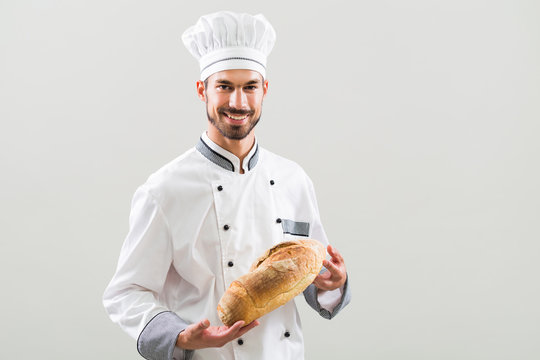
227,82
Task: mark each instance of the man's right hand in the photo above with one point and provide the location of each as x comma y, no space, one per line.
202,335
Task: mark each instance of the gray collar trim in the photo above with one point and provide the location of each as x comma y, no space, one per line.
254,158
221,160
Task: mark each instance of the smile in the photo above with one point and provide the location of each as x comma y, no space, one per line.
237,118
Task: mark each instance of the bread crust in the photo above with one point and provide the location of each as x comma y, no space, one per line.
283,272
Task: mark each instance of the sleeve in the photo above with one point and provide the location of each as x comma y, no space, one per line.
326,303
131,298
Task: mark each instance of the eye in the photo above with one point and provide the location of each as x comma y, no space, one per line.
223,87
251,87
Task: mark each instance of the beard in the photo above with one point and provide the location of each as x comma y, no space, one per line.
233,132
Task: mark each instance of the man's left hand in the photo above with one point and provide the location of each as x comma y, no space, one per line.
336,275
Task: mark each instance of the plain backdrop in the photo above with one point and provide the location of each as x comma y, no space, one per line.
418,122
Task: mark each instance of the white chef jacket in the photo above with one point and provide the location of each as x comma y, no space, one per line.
196,225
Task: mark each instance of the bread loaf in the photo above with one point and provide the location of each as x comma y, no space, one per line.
283,272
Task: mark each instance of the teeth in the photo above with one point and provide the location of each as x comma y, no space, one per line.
237,117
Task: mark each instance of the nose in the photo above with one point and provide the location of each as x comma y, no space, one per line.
238,99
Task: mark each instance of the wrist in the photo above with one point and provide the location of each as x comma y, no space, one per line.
181,340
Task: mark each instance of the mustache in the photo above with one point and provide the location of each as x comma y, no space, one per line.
234,111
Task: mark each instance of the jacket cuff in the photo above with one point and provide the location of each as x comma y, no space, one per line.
157,341
182,354
310,294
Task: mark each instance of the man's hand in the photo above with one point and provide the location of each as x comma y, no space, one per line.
336,275
202,335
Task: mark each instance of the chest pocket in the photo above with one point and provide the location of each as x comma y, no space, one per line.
297,228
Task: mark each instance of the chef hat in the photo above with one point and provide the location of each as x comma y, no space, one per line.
226,40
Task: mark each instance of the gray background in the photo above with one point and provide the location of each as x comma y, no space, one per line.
418,122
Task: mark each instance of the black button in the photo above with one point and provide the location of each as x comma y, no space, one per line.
220,188
226,227
272,182
278,220
231,264
287,334
240,342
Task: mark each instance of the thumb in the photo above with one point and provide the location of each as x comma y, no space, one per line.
203,325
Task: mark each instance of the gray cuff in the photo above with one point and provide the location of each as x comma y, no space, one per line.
310,294
182,354
158,338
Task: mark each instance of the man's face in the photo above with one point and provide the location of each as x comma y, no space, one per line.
233,101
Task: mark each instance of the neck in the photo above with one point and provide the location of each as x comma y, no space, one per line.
240,148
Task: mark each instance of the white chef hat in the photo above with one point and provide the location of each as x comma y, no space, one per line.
226,40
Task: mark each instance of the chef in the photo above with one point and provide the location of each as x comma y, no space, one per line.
200,221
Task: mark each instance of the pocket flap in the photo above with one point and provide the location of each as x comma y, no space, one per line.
295,227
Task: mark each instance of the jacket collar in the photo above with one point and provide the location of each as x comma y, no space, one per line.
226,159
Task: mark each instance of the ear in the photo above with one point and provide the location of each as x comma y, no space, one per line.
200,90
265,87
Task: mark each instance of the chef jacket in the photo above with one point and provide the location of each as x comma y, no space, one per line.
196,225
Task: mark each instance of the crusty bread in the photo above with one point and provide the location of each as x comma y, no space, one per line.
283,272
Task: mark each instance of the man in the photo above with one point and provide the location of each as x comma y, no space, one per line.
199,222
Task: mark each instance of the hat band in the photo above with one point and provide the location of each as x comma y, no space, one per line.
233,58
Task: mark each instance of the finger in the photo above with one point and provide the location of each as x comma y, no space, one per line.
338,272
251,324
330,282
323,284
320,279
248,327
232,332
235,327
317,284
331,267
201,326
324,276
334,253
